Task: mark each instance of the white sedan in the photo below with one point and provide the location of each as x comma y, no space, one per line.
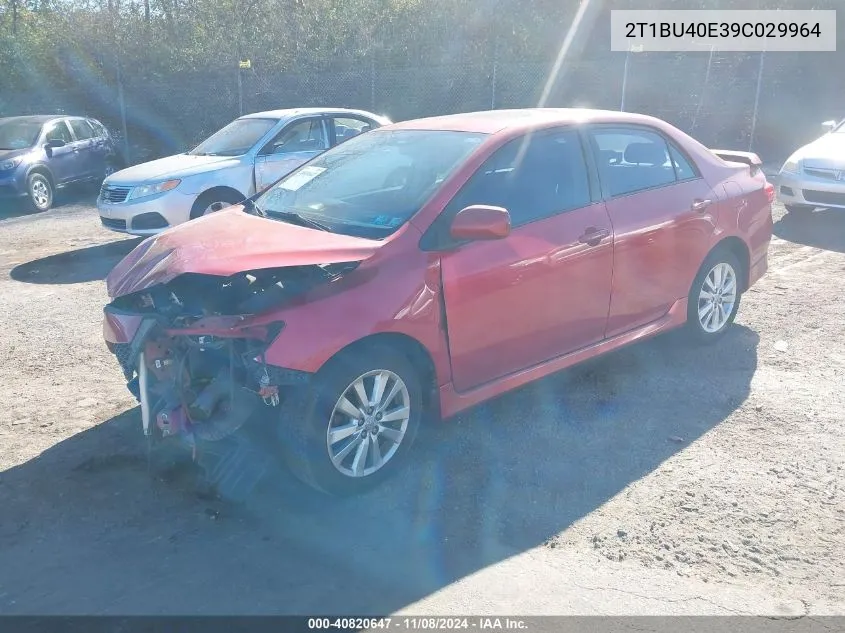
814,176
246,156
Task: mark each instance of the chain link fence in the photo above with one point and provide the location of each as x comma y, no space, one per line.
770,103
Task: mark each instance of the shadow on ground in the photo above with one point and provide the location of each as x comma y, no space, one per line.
92,263
85,528
821,229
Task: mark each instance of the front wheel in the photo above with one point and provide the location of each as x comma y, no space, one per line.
357,425
40,191
714,298
213,201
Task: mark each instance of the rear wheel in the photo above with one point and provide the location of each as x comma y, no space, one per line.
40,191
213,201
358,423
714,297
798,210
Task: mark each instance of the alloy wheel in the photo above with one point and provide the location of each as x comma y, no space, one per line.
368,423
717,298
40,193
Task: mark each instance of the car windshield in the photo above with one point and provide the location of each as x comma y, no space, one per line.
372,184
18,134
840,129
235,139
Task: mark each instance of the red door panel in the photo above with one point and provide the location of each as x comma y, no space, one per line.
660,241
537,294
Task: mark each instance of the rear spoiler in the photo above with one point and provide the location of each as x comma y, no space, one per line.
748,158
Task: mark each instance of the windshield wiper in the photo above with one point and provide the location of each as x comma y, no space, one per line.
253,209
290,216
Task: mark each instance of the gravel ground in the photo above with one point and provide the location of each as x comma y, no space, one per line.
719,468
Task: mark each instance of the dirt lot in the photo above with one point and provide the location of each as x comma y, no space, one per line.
660,479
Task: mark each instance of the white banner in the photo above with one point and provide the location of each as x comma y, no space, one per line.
724,30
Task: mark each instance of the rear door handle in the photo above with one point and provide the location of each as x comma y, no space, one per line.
700,205
593,236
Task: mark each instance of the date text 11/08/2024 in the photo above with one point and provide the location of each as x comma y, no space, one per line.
421,624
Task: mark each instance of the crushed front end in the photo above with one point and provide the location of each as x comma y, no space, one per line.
192,350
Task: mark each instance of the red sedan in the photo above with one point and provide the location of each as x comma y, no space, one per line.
426,267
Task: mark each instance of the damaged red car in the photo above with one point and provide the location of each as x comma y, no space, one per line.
425,267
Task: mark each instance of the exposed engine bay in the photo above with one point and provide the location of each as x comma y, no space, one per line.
205,386
192,296
202,387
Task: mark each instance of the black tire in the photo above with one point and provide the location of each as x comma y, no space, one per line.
39,191
694,330
306,416
225,197
798,210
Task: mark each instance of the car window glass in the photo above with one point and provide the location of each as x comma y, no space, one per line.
236,139
16,134
683,168
303,136
372,184
532,177
346,128
99,129
632,160
81,129
58,131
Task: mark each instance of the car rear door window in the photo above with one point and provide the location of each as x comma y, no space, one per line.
533,177
631,160
684,168
346,128
81,129
99,129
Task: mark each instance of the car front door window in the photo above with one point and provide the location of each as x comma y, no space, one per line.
62,161
304,136
58,131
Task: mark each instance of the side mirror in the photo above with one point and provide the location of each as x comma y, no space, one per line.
54,143
829,125
481,222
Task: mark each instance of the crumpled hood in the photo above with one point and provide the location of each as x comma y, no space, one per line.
178,166
229,242
827,151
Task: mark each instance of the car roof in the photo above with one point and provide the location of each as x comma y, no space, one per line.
34,118
42,118
494,121
293,112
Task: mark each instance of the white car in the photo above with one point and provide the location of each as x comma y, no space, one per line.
246,156
814,176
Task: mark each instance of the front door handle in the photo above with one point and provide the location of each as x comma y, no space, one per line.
700,205
593,236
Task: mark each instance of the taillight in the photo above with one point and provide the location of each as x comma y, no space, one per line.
770,192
